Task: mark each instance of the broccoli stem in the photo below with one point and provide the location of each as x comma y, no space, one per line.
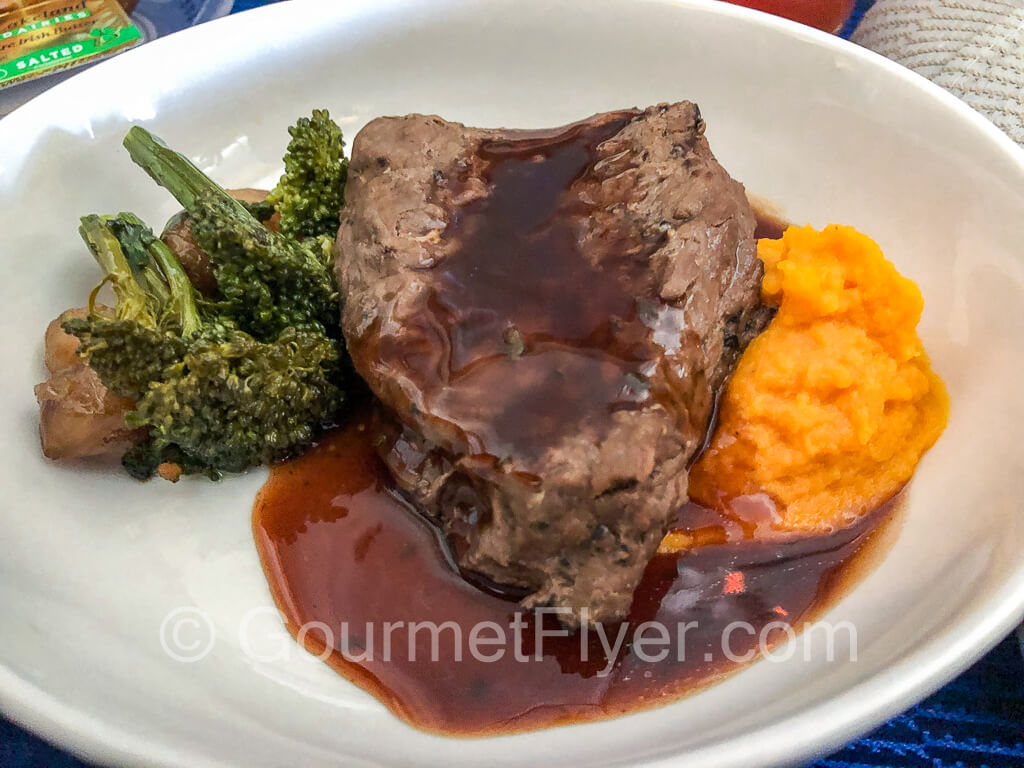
181,300
173,171
155,285
132,301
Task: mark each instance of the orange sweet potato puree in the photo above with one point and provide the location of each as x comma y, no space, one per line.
832,407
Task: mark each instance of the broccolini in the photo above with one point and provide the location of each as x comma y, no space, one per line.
232,404
268,281
210,397
130,350
310,194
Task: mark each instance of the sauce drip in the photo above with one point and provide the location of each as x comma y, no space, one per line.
340,546
504,330
769,226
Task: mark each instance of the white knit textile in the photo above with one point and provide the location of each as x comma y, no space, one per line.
973,48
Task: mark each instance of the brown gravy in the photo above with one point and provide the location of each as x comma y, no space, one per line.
340,546
769,225
498,337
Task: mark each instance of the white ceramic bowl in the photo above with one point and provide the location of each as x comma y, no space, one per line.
92,563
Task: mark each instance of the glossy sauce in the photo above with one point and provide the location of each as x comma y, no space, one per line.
502,332
769,225
341,546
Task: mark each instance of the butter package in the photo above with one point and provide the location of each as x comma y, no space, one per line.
41,37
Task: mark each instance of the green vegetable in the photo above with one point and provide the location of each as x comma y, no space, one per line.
171,285
129,350
261,211
132,301
269,282
232,404
126,355
310,194
211,397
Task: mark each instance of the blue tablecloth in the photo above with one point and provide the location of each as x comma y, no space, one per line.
977,721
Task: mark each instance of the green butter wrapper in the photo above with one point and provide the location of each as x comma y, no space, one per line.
40,37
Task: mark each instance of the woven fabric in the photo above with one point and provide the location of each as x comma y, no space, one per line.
977,721
973,48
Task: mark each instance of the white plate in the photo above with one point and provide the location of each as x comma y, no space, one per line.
92,563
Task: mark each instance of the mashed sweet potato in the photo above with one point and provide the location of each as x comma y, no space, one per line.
831,408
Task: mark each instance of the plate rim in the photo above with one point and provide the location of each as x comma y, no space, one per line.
872,702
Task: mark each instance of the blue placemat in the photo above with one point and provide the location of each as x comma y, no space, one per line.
977,721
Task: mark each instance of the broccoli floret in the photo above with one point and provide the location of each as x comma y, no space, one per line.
129,350
126,355
261,211
231,405
310,194
269,281
143,460
211,397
